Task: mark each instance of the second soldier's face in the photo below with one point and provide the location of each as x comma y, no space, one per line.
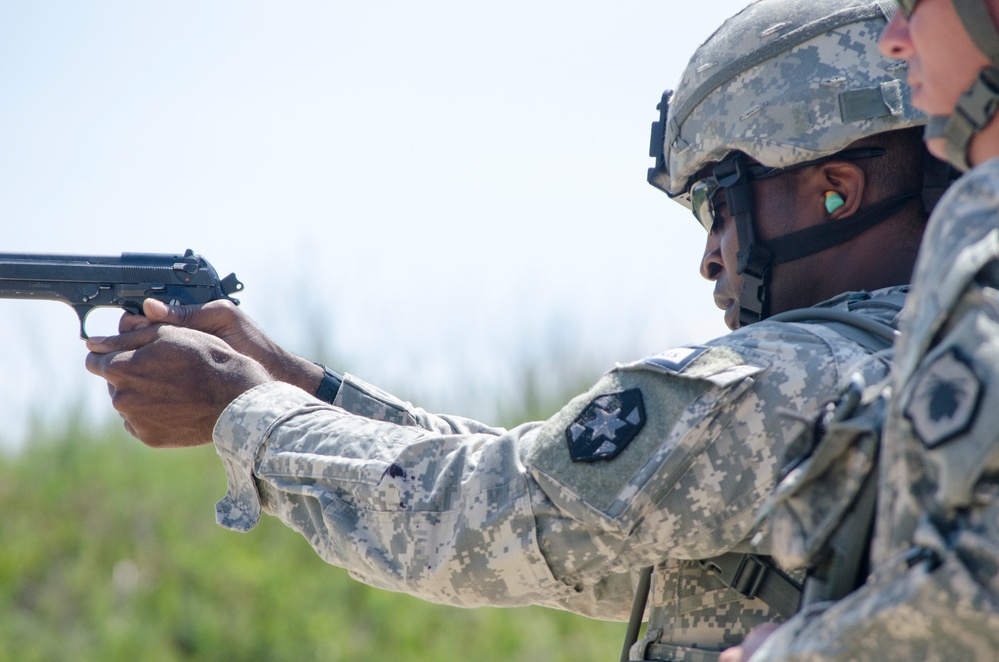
942,59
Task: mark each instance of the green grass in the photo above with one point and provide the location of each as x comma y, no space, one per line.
109,551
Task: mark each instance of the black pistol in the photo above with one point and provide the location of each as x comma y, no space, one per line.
86,282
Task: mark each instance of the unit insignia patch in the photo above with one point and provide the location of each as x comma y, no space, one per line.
944,400
606,426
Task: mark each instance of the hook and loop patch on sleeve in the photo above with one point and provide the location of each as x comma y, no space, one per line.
721,365
676,359
606,426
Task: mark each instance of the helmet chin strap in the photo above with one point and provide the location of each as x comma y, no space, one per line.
974,110
980,102
755,258
755,263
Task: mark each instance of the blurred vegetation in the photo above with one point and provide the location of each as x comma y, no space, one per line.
110,551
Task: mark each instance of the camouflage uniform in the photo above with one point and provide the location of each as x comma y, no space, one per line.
665,458
934,593
664,461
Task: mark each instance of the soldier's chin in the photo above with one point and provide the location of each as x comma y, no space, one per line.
732,315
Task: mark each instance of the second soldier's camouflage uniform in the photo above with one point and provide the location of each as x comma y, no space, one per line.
934,593
664,460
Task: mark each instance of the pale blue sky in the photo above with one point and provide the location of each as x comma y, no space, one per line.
445,183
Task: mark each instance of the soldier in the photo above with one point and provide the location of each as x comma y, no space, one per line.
934,594
793,142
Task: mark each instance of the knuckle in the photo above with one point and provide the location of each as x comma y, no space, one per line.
182,314
223,310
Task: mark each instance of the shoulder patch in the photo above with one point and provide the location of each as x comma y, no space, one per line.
944,400
606,426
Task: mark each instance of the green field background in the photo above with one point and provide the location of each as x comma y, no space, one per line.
109,551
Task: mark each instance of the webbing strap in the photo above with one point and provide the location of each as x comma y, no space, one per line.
869,333
756,576
637,612
978,23
817,238
975,109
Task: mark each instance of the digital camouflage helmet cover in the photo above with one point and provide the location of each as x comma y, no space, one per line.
787,84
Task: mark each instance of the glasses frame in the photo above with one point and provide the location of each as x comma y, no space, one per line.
702,193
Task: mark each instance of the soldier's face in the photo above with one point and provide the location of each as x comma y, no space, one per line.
942,59
719,261
777,211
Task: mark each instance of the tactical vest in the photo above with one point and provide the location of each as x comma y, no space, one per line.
831,463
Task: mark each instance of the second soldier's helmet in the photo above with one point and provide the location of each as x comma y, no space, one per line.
783,83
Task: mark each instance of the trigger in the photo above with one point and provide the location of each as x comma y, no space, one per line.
82,312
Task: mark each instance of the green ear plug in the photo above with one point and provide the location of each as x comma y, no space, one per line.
834,201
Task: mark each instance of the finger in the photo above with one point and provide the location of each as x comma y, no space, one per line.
130,322
734,654
201,317
210,318
97,364
123,342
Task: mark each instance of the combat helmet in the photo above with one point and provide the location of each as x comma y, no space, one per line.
980,102
787,84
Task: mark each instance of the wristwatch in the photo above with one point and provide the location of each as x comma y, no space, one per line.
330,386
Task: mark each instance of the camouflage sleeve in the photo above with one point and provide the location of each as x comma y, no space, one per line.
446,517
359,397
666,457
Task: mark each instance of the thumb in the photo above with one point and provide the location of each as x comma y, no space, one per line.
156,310
177,315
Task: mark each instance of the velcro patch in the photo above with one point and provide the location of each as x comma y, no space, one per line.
720,365
606,426
675,360
944,400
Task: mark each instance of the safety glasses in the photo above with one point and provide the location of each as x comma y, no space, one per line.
703,192
702,201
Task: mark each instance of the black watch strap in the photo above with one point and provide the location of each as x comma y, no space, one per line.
330,386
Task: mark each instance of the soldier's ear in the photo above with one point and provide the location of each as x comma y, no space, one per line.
838,188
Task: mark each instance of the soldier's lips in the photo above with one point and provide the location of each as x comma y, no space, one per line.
915,89
723,301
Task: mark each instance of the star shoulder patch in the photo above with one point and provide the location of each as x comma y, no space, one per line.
606,426
944,400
